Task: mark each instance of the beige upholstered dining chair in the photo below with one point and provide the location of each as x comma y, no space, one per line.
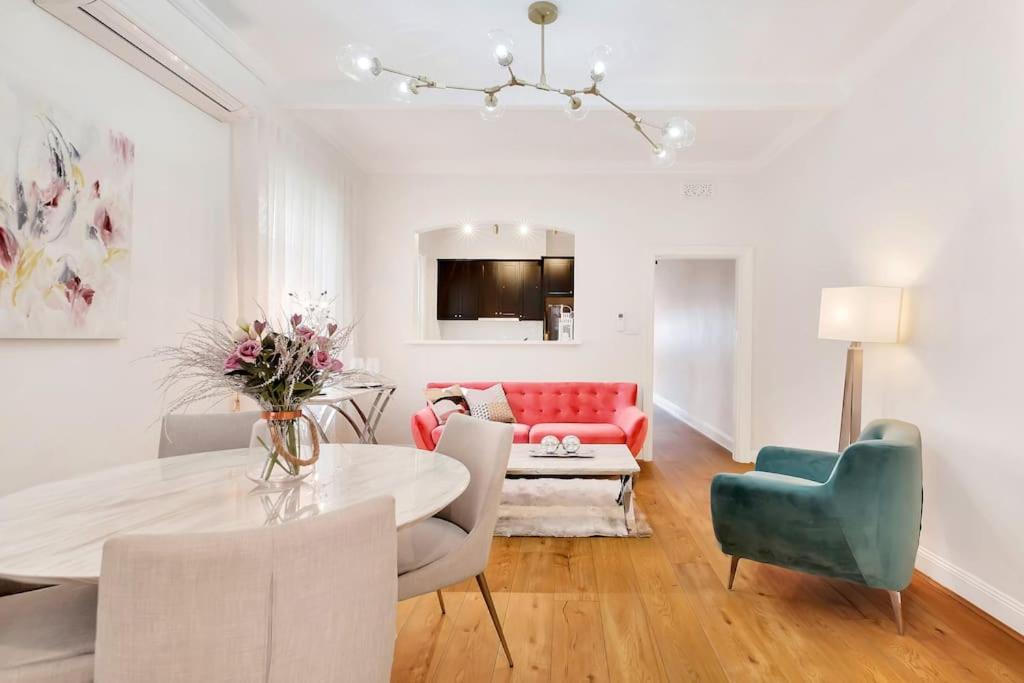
48,635
312,601
307,601
185,434
456,543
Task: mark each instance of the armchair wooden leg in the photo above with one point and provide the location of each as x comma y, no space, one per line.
733,564
482,582
440,599
897,609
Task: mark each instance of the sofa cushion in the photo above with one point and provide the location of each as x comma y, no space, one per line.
445,402
588,432
489,404
425,542
520,433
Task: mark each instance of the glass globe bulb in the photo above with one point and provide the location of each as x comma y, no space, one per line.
501,47
575,109
663,157
599,59
678,133
492,108
405,90
359,62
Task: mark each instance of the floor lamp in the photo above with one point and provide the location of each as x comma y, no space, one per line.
858,315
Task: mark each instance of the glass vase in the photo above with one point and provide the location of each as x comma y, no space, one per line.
283,447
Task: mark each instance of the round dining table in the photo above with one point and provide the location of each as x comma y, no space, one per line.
54,532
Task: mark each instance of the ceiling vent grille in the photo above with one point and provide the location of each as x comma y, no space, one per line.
698,190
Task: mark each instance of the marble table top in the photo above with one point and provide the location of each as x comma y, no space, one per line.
608,459
54,532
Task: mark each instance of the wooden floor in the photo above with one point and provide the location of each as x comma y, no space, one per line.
656,609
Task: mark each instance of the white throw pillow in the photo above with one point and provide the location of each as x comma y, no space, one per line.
489,404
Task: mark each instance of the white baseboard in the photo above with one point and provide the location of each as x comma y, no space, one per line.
718,436
1003,607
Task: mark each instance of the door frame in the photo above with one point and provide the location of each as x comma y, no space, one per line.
743,256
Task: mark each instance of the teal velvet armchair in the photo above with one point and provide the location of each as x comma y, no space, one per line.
854,515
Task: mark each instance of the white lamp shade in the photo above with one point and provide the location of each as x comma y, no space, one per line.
861,314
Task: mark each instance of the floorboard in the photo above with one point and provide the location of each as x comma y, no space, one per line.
656,609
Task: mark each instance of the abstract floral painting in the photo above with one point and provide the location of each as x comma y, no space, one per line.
65,223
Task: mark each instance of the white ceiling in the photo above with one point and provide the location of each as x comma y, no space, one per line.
751,74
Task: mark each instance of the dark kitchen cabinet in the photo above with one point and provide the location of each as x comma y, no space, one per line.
493,288
559,276
530,274
458,289
501,291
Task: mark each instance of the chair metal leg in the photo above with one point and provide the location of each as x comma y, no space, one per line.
440,599
897,609
733,564
482,582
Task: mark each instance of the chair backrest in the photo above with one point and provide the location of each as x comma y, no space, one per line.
484,448
185,434
537,402
877,485
311,600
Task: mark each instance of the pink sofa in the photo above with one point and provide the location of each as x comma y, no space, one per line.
597,412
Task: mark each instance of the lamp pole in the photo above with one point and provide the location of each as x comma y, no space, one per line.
849,427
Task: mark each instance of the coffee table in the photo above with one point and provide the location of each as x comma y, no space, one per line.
608,460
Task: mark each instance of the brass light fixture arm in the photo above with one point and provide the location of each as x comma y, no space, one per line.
545,14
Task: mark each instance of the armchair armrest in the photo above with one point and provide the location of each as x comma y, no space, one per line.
423,423
633,422
777,519
795,462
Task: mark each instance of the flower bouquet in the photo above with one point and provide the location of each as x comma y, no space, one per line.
279,367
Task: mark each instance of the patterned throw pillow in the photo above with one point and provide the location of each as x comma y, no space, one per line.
489,404
446,402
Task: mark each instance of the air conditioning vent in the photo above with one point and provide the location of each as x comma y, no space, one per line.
125,37
698,190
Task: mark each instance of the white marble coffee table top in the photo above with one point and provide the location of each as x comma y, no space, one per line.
608,459
55,532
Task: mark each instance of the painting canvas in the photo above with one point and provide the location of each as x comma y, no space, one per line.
65,222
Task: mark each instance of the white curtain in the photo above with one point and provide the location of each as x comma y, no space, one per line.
290,217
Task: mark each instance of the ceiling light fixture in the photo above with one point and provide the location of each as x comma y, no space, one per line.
360,63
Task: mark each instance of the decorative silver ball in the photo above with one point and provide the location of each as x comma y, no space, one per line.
571,443
549,444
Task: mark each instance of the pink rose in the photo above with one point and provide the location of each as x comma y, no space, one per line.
337,365
321,360
233,362
304,333
249,350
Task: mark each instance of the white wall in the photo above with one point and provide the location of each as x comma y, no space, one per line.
68,407
694,343
918,182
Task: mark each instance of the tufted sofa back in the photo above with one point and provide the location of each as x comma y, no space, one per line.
538,402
